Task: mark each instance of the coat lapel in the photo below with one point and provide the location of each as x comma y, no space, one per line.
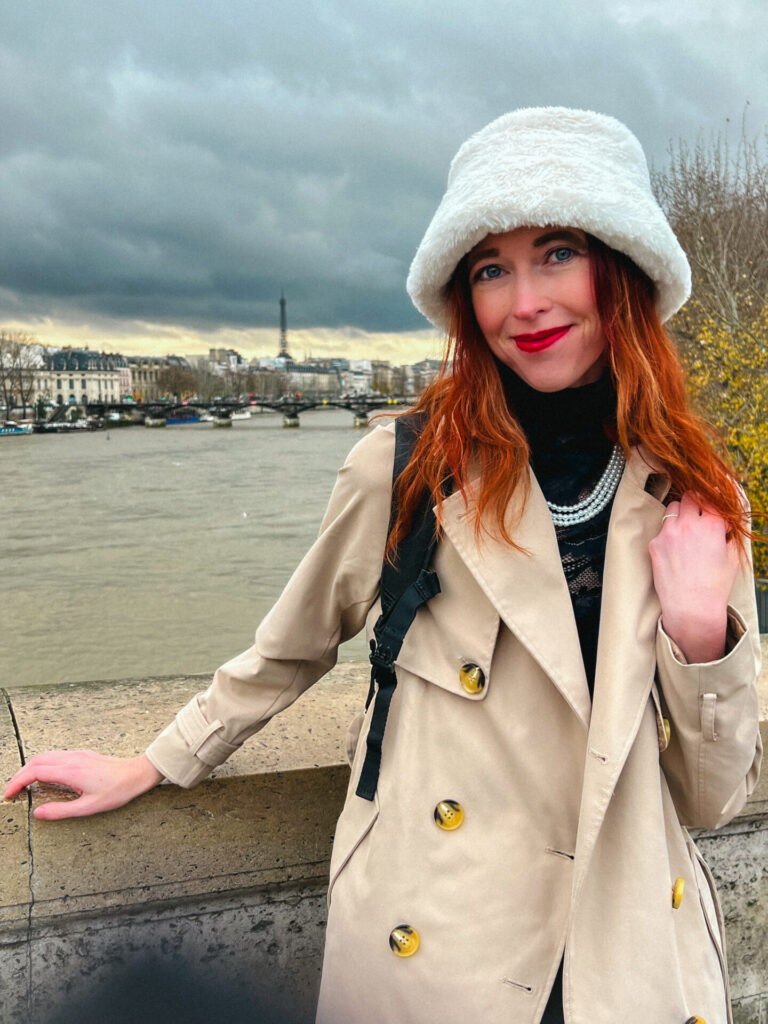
531,596
626,656
527,588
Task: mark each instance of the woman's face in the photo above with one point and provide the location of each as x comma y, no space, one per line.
533,300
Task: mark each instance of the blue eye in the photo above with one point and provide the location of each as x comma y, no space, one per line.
489,272
561,254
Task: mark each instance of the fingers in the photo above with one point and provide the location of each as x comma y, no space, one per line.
688,512
672,511
689,506
101,783
59,776
24,777
687,509
59,809
14,787
61,756
58,766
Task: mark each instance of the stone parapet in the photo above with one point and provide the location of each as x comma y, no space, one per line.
218,893
224,884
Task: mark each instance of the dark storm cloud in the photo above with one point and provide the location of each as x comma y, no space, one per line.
184,161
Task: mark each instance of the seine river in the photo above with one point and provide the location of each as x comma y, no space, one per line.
139,552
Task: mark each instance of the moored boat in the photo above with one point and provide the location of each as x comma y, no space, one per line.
9,427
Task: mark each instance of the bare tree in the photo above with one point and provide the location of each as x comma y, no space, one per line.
716,198
175,380
236,381
208,385
18,361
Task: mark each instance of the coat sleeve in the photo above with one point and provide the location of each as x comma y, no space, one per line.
324,603
712,762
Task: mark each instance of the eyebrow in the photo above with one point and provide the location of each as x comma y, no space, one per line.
557,235
475,257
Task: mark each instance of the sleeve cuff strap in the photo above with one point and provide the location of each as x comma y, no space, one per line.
200,735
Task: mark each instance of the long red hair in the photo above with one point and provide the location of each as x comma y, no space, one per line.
466,418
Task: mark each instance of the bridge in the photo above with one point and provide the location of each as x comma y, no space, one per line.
291,406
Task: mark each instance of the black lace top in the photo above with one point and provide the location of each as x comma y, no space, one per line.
571,435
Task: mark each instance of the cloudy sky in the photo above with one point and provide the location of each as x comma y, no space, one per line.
168,166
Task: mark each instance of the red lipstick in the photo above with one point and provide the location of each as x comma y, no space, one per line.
540,340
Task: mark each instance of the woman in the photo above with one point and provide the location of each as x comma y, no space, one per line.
583,686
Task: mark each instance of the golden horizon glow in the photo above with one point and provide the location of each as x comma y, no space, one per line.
137,337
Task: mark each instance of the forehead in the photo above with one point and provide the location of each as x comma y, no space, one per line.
528,237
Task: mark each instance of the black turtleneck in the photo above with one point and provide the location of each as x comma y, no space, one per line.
571,434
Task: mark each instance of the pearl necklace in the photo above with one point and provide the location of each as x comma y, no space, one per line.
594,503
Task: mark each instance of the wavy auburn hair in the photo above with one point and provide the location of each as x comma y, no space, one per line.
466,418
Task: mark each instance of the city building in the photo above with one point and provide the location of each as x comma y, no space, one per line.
424,372
225,360
145,372
309,380
72,376
386,379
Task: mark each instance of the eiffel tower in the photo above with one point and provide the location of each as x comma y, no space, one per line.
283,353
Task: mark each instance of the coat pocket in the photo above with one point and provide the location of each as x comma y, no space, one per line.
356,821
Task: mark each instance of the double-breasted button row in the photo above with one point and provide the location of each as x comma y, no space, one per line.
404,940
472,678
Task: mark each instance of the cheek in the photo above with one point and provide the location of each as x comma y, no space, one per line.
577,294
489,312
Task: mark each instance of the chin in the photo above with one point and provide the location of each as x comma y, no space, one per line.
561,381
550,384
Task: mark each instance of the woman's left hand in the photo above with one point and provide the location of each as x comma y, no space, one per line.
694,569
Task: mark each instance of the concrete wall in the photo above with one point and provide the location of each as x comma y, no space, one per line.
210,904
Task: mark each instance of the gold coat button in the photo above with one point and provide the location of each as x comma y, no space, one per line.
472,678
404,940
449,814
667,729
677,895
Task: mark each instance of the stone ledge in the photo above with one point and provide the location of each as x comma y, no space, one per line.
123,716
266,817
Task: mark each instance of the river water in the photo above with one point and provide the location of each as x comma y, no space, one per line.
139,552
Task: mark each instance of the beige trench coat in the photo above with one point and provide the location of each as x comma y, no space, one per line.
573,811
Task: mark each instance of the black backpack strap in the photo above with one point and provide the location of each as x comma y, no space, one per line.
406,584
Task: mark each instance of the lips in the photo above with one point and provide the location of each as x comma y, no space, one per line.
541,339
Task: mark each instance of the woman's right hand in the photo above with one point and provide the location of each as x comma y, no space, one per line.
102,783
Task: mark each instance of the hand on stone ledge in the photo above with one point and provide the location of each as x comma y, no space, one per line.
100,783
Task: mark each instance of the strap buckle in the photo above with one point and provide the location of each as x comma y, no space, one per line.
381,657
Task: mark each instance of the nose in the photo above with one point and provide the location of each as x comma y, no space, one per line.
529,297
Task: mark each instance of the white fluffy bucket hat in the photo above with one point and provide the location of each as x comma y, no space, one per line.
544,166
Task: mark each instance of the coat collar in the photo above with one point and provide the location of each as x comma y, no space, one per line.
527,587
